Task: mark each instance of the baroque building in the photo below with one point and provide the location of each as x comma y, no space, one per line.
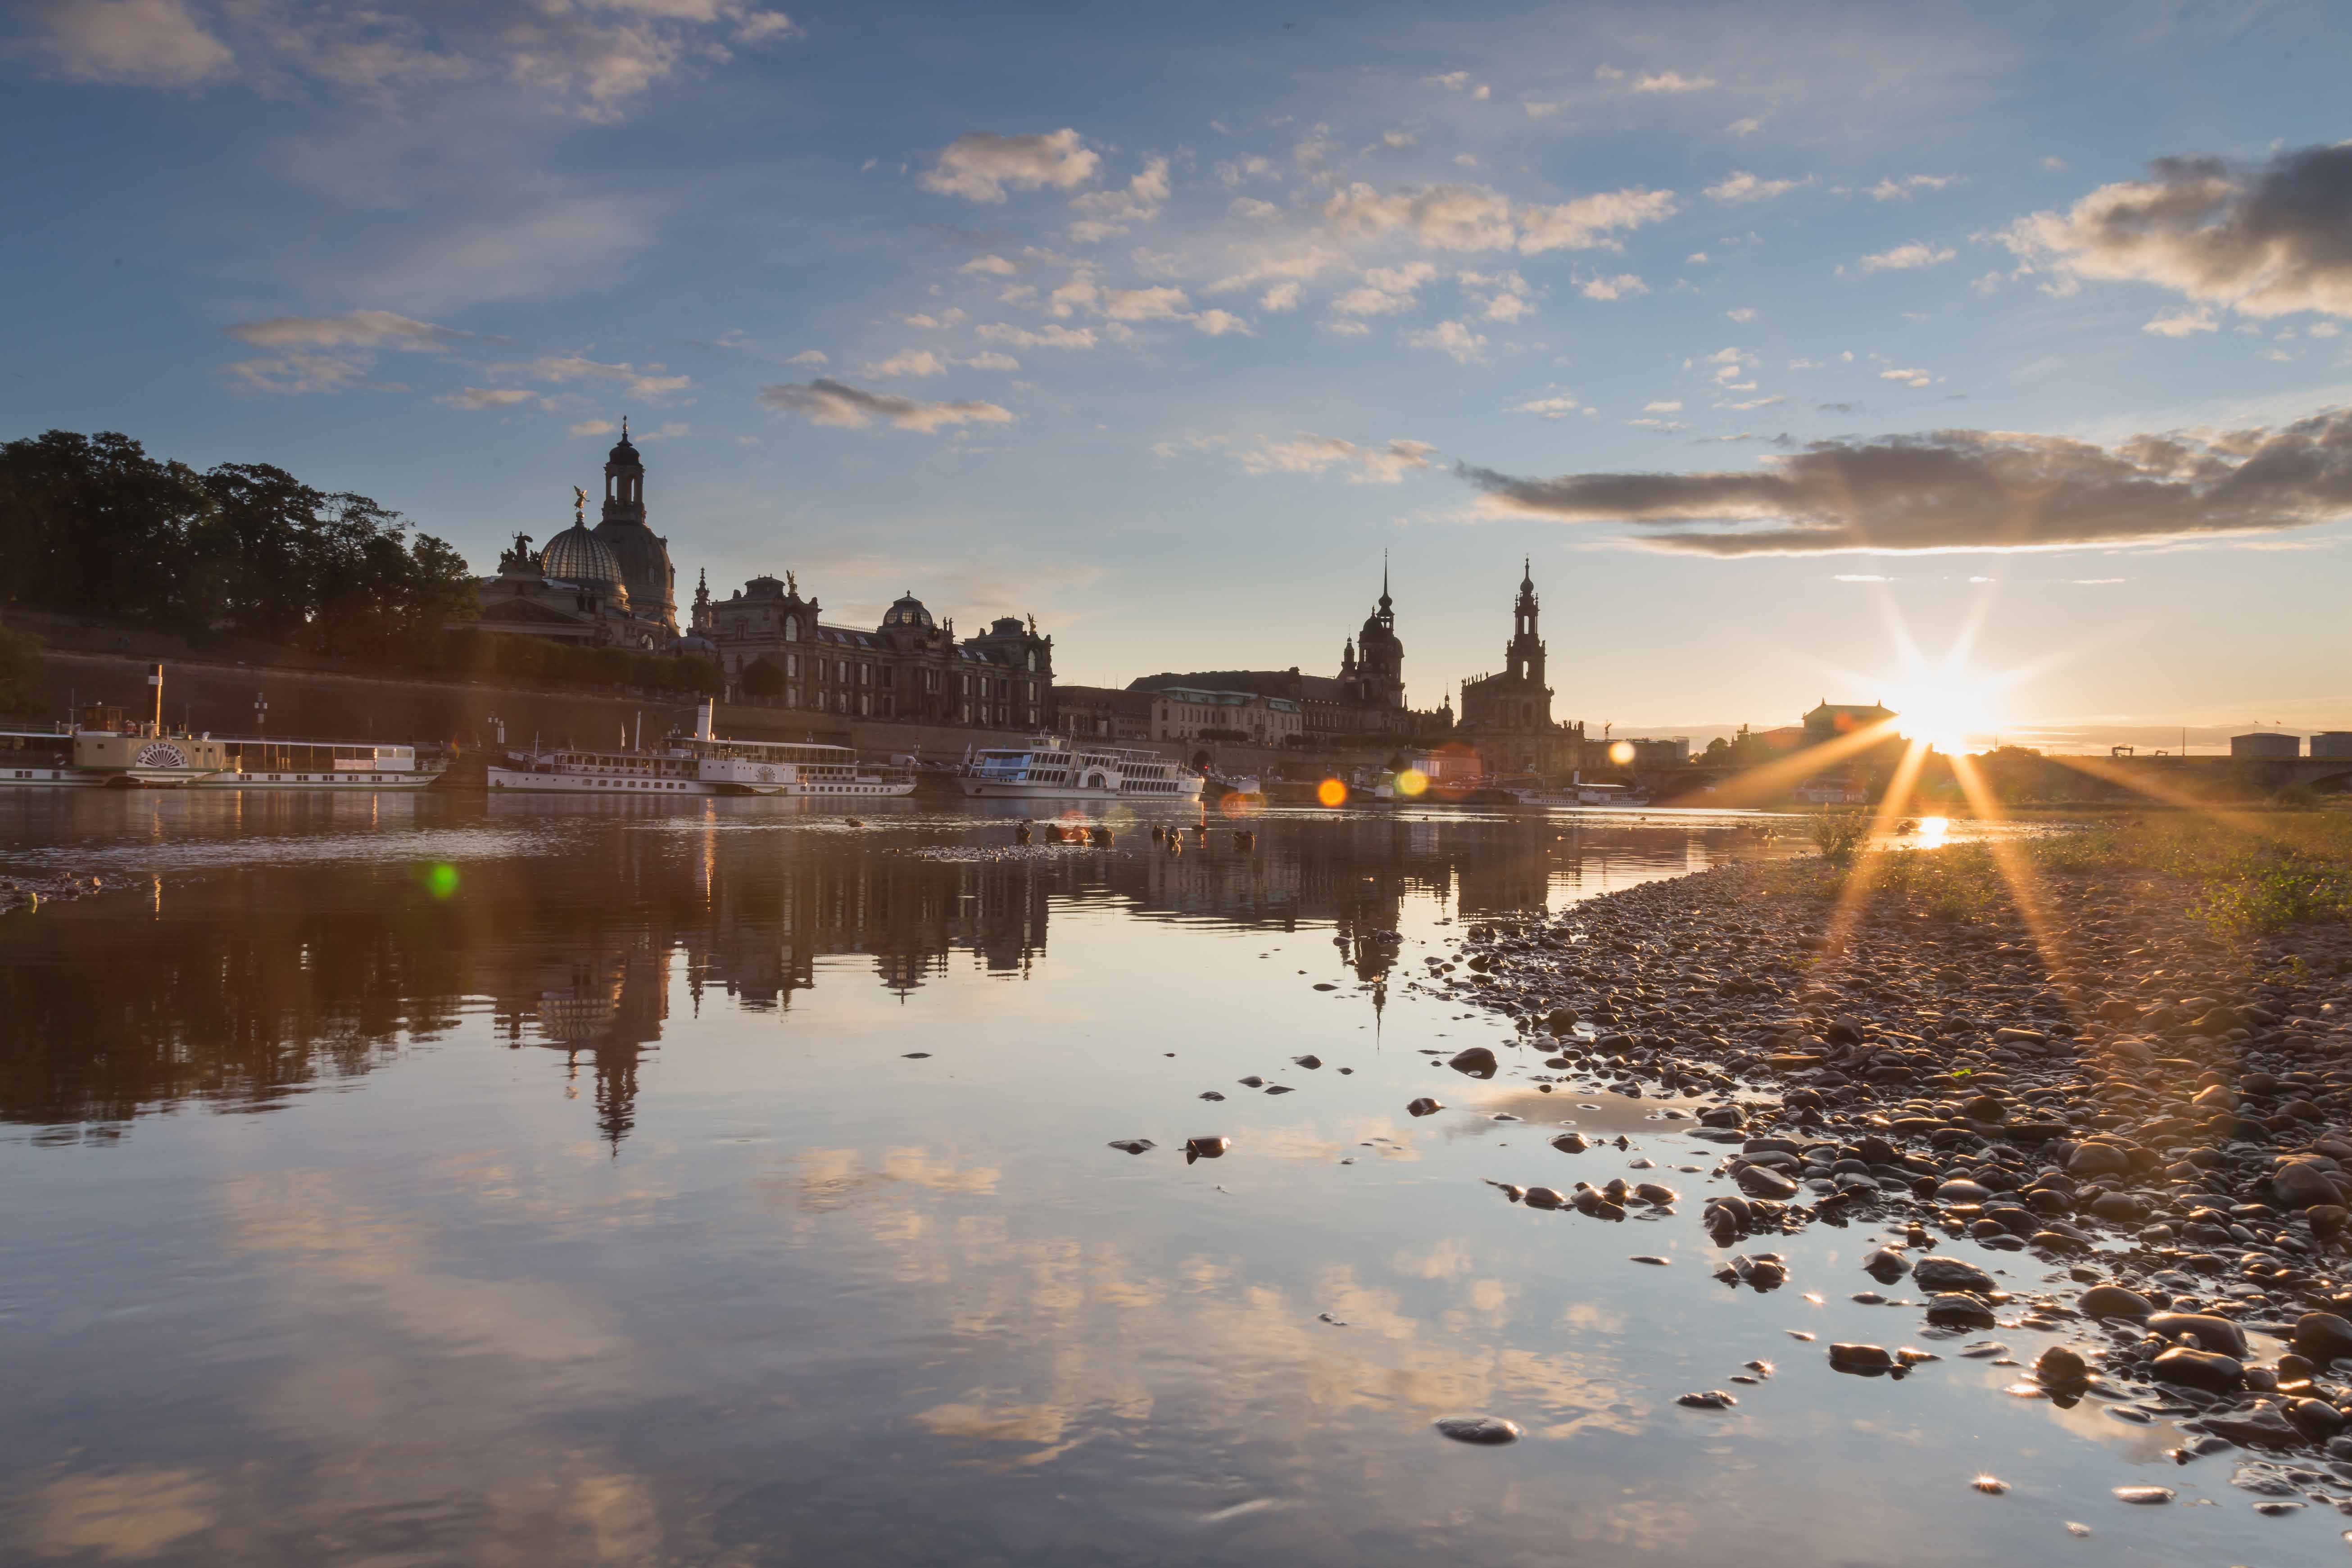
1507,718
775,645
1366,698
611,585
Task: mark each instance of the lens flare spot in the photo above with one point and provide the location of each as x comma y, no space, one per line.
1412,782
1934,830
1621,752
1331,792
441,881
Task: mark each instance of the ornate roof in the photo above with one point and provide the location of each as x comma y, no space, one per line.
908,612
577,555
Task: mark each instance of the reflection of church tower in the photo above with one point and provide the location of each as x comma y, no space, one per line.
644,555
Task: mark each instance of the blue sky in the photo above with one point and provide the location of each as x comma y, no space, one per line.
1777,335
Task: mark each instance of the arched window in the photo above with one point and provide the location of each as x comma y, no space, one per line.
792,628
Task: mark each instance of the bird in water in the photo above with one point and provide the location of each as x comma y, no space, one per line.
1102,837
1021,834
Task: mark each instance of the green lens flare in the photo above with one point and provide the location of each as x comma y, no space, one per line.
442,880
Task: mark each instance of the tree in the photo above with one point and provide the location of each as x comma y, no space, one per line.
20,675
762,679
94,524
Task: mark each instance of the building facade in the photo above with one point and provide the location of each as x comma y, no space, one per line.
643,554
1190,713
1507,718
773,644
1102,713
573,591
1366,699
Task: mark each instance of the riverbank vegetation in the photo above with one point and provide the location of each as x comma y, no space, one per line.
2240,874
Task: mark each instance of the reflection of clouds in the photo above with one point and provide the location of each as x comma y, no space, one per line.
123,1515
1446,1260
826,1178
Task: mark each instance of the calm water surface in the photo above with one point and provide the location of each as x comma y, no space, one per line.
424,1180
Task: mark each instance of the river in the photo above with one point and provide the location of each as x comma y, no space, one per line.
434,1180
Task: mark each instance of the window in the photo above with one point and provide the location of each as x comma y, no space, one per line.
791,664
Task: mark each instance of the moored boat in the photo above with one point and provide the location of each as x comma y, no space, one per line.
1052,767
704,764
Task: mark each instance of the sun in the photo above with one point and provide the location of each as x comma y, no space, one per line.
1944,708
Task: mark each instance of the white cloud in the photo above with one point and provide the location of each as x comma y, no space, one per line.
1386,292
979,164
833,403
1443,217
1668,405
1049,336
1747,127
1560,406
1909,186
648,383
1742,313
1742,186
988,358
1541,110
1908,377
591,428
355,329
995,265
1217,323
1753,403
808,356
149,42
910,362
1160,304
2180,323
1281,297
1347,329
1398,140
1905,258
1253,209
1590,223
294,374
1671,82
1306,453
1109,212
1452,337
1238,170
488,397
1624,286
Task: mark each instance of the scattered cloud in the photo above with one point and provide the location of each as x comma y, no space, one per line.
490,397
1671,82
355,329
591,427
988,358
1452,337
1742,313
1906,258
809,356
1218,323
1443,217
825,401
1558,405
979,164
910,362
1971,489
297,374
1110,212
1909,186
1590,222
993,266
1306,453
1385,292
1281,297
646,383
1253,209
1668,405
1906,375
1624,286
2265,240
1742,186
2181,323
1049,336
1747,127
148,43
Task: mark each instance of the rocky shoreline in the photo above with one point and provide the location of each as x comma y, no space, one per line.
2160,1119
19,891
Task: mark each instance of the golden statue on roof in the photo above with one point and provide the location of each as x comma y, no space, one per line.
579,506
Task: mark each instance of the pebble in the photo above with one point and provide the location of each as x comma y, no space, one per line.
1484,1430
1859,1357
1424,1106
1712,1399
1133,1145
1992,1486
2145,1494
1646,1258
1205,1148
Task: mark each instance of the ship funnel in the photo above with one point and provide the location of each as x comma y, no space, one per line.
702,720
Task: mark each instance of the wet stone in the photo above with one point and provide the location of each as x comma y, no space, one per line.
1485,1431
1133,1145
1424,1106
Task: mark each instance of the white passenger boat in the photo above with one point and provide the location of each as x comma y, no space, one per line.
1050,767
102,748
703,764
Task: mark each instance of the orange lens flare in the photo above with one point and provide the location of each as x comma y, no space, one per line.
1412,782
1331,792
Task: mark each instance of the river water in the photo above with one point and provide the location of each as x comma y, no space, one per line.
424,1180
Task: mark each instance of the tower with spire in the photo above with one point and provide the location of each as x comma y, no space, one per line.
1509,716
1379,654
1524,658
644,554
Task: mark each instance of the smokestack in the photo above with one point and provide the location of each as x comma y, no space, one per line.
155,679
702,720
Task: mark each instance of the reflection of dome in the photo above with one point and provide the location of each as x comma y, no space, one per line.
577,555
908,612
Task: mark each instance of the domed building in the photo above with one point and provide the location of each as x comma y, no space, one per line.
573,590
643,554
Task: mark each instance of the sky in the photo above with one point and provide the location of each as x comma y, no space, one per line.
1805,352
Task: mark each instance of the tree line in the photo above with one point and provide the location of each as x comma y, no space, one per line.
96,526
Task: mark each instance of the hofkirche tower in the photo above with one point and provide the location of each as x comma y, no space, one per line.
644,554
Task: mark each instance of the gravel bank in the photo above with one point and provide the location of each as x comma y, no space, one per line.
2156,1116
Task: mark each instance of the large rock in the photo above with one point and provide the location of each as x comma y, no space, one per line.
2113,1301
2298,1186
1951,1274
2214,1333
1477,1061
1487,1431
2198,1369
2323,1336
2059,1368
1763,1182
2097,1160
1958,1310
